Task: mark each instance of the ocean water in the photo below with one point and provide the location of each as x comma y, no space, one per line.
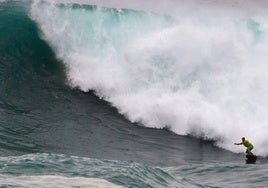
124,95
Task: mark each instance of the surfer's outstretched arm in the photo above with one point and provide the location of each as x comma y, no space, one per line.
238,143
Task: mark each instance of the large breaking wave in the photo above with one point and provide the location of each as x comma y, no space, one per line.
202,76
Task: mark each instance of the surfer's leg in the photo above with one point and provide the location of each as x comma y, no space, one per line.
249,150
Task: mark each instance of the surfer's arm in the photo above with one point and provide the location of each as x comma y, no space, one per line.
238,143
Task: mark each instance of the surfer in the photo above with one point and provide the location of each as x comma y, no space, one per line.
247,144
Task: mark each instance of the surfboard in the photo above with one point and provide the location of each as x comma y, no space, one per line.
251,158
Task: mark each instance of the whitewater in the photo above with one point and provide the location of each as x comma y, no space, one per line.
202,75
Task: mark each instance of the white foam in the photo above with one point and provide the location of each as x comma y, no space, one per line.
47,181
200,75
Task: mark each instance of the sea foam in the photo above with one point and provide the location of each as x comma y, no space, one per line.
47,181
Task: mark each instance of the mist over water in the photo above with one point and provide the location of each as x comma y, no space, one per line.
199,75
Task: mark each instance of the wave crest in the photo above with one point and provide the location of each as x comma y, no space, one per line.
201,76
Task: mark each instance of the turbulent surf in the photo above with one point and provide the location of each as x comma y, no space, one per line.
115,95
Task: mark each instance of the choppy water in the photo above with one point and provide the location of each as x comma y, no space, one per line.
101,97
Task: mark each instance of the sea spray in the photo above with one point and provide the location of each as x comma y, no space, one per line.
203,76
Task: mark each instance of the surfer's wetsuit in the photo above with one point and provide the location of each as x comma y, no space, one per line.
248,145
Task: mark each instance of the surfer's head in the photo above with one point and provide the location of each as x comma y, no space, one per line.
243,139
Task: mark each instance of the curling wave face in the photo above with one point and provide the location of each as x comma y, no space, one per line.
201,76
